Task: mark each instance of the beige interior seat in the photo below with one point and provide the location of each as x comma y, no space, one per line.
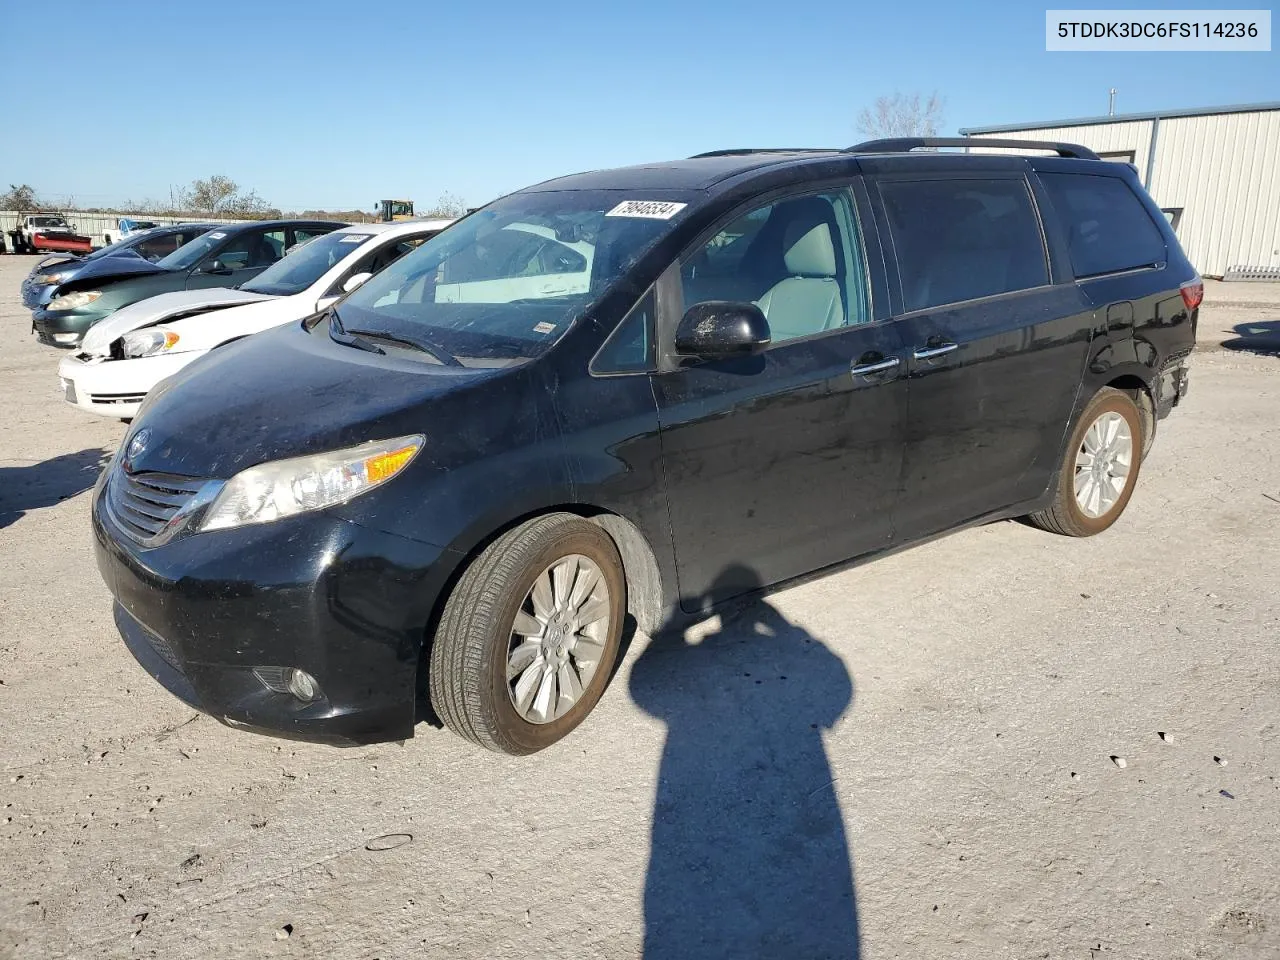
808,300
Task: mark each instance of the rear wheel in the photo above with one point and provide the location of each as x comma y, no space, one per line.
529,635
1098,472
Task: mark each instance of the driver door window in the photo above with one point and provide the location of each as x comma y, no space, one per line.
798,259
253,250
156,248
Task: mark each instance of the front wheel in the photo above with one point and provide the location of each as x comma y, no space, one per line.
529,635
1099,470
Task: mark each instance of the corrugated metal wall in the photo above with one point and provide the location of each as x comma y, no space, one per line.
1223,170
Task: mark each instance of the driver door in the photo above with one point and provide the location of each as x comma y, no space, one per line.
784,462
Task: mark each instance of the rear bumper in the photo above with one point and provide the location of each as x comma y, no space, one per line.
1172,385
346,604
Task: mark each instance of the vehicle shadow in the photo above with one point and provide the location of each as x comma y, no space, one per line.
1262,336
749,856
48,482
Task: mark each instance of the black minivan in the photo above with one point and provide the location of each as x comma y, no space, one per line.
636,392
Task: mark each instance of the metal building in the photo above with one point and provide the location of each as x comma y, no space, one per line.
1214,171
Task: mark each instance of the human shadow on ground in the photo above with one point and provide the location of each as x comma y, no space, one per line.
43,484
749,856
1262,336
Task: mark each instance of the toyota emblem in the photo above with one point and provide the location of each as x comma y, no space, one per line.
136,446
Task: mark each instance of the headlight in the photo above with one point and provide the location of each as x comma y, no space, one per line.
71,301
271,491
49,279
149,342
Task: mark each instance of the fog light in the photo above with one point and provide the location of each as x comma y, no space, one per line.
302,685
290,680
65,337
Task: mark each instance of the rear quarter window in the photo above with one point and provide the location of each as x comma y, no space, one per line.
1108,227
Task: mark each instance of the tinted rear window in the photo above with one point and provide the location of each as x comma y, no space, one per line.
1109,229
963,239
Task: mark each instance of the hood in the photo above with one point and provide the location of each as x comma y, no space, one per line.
289,392
112,267
159,308
49,262
73,267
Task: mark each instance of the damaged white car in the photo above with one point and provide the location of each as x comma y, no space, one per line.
131,351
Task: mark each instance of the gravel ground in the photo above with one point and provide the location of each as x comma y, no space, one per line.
1000,744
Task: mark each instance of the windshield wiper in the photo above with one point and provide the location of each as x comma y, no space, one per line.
439,353
338,334
350,340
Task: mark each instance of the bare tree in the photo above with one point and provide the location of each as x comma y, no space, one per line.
20,198
449,206
213,194
248,205
902,115
219,196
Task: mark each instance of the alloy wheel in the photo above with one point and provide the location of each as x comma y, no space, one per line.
557,639
1103,465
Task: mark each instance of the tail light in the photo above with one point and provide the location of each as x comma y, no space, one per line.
1192,293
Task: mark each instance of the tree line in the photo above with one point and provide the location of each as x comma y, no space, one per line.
215,196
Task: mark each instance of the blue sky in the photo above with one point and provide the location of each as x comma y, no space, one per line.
338,104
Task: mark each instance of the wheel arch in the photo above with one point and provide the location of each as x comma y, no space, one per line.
647,598
1139,389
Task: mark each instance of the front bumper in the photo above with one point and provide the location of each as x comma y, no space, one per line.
64,328
116,388
36,296
347,604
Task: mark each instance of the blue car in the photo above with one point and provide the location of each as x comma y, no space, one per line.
151,245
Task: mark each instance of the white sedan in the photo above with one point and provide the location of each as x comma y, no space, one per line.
135,348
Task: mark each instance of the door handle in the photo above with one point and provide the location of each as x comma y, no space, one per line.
871,369
928,353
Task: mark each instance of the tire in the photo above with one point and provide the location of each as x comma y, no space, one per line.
468,669
1066,514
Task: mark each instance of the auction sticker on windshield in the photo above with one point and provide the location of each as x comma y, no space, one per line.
356,238
648,209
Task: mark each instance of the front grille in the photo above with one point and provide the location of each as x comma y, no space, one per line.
110,398
144,503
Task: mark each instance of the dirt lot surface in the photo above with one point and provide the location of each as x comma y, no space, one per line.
1000,744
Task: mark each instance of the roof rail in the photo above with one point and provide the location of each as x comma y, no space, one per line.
747,151
906,144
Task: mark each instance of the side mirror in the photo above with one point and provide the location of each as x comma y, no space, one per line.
354,281
214,266
720,329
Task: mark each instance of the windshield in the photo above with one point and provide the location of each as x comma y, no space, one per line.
305,265
509,280
48,222
189,254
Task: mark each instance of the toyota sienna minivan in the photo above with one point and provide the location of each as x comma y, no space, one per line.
636,393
